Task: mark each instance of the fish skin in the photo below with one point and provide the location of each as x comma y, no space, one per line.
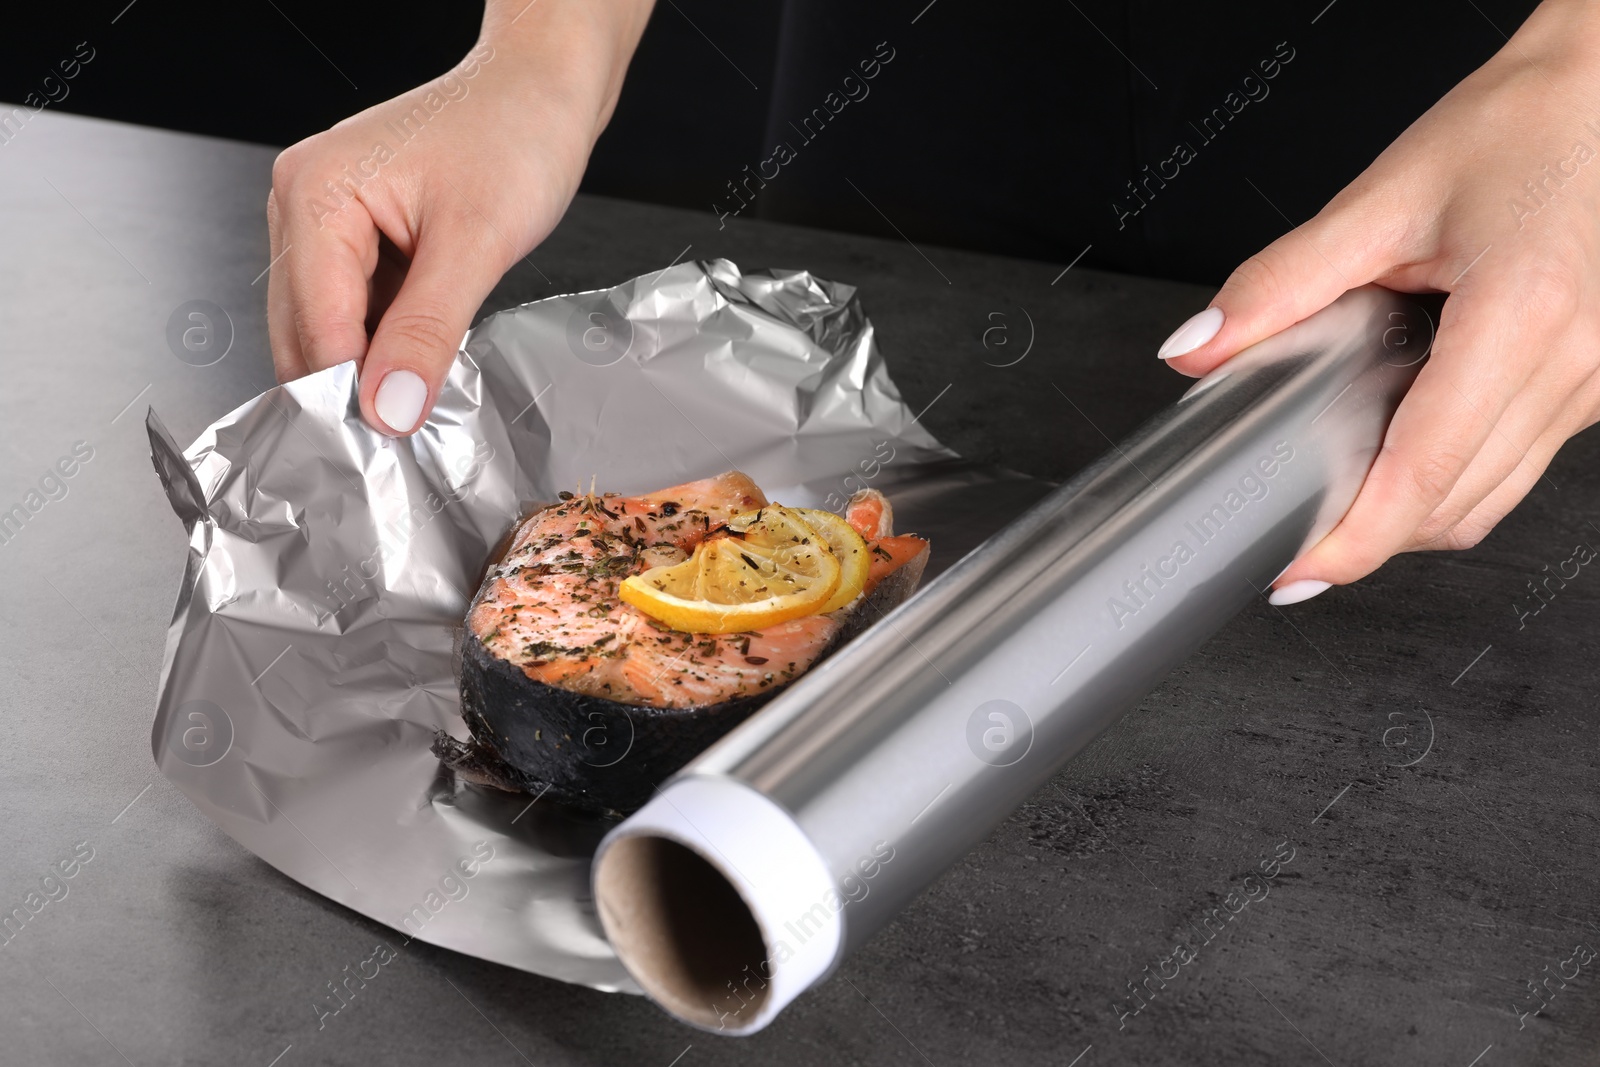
590,753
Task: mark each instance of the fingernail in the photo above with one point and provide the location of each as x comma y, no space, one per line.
1192,334
400,397
1294,592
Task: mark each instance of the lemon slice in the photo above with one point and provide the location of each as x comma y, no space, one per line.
848,547
780,569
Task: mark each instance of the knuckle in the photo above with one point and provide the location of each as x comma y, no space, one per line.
1451,527
422,331
1585,359
1261,274
1468,533
289,163
1547,293
324,337
319,320
1431,474
1433,528
1465,534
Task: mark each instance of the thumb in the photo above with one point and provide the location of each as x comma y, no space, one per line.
1295,276
415,344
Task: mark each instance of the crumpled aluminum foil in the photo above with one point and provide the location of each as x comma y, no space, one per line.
312,653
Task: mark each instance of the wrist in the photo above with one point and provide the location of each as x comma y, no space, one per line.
1558,30
577,51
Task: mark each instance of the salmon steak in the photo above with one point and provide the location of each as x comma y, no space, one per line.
576,683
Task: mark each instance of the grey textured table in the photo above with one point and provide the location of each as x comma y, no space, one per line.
1429,757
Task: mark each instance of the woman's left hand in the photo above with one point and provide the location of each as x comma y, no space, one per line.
1493,196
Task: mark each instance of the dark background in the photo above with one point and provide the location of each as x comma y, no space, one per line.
1007,129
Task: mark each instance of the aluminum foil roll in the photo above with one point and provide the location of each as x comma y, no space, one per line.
312,653
784,846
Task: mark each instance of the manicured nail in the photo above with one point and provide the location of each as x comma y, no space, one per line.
1192,334
400,397
1294,592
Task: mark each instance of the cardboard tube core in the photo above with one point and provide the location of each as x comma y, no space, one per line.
688,936
718,904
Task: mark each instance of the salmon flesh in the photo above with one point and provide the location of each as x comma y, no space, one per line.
565,687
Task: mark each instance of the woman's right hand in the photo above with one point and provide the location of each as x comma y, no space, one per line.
390,229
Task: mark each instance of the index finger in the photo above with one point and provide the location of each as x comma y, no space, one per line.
317,294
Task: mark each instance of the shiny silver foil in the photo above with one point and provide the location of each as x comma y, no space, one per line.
887,763
311,656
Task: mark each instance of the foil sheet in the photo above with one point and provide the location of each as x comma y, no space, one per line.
313,651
